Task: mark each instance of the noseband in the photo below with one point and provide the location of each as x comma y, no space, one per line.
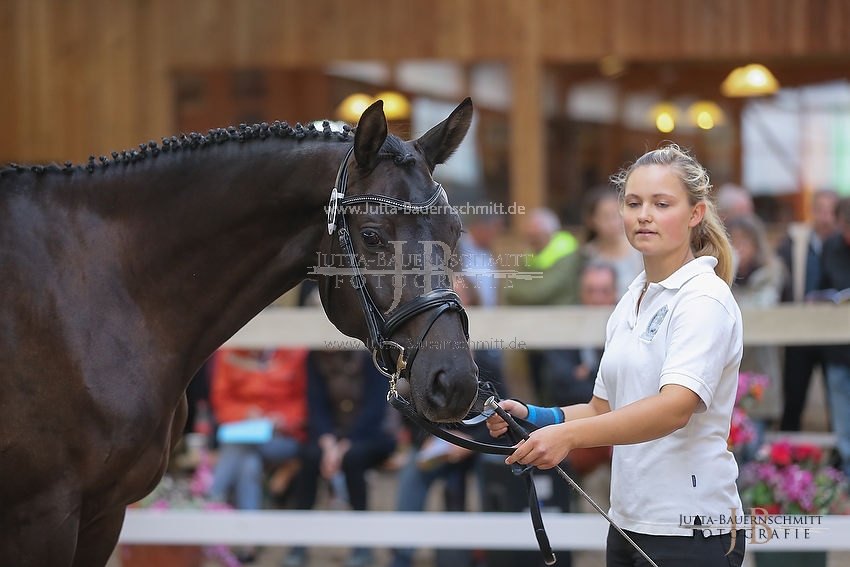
390,357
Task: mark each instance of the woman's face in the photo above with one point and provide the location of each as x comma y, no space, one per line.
657,215
606,219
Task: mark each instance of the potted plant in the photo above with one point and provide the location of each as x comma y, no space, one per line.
793,479
743,433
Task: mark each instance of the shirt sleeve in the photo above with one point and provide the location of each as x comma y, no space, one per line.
702,334
599,389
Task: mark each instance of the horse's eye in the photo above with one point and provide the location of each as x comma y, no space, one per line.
371,237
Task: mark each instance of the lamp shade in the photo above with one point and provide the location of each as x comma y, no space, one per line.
396,105
750,80
664,115
352,106
706,114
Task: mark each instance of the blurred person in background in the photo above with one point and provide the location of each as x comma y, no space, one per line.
605,239
835,275
569,379
758,282
351,431
734,201
481,230
264,387
552,252
800,251
431,459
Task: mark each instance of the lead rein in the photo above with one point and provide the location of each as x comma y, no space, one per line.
520,432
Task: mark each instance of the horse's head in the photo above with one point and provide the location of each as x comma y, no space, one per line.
391,226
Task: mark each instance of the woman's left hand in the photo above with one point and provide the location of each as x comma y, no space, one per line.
545,448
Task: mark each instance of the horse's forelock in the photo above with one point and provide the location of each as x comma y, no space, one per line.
395,149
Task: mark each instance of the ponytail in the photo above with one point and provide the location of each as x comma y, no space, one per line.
709,238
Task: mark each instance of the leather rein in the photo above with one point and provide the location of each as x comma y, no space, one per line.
526,472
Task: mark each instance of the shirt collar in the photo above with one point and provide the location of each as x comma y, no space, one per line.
678,278
695,267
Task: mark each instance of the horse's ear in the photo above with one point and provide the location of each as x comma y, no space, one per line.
442,140
370,136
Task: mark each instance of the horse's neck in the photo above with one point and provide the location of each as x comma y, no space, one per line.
216,234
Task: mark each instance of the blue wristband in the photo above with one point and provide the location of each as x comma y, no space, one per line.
544,416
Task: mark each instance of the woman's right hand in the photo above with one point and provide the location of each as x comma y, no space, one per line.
497,425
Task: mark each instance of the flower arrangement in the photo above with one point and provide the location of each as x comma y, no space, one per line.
751,387
787,478
190,493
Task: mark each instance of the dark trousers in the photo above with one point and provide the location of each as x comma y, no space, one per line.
800,362
362,456
675,551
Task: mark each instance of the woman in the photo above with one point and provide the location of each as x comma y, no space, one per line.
269,386
759,279
667,380
351,431
605,240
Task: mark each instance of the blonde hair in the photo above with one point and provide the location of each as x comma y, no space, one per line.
709,237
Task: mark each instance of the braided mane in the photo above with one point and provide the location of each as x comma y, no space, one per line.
192,141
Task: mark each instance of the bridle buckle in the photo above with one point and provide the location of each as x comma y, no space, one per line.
400,364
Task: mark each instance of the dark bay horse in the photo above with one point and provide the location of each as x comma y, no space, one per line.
123,275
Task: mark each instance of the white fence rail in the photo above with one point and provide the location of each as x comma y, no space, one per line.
502,328
549,327
448,530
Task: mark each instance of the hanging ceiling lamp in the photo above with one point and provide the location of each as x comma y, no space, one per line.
352,106
705,114
396,105
750,80
664,115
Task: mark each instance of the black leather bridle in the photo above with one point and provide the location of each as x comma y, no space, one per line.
390,357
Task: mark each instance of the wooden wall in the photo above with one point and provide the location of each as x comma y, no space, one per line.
87,77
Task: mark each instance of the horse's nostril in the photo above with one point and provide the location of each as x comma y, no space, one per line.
441,387
450,398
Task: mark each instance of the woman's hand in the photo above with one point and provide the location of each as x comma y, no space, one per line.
545,448
499,426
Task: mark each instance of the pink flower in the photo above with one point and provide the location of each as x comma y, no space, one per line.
751,387
793,479
780,453
741,430
803,453
203,478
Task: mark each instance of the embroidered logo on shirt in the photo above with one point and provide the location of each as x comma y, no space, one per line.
654,324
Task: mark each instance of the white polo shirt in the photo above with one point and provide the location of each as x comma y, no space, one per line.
688,332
